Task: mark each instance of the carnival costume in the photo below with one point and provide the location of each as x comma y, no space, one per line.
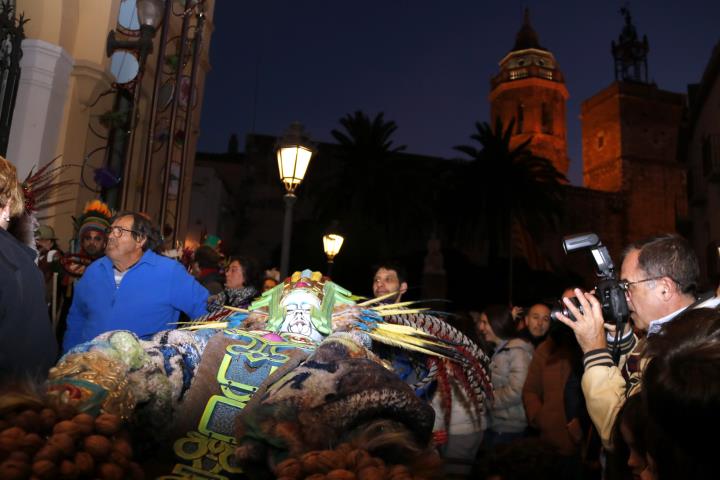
243,390
233,297
96,216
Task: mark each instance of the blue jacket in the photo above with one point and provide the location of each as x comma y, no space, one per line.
150,298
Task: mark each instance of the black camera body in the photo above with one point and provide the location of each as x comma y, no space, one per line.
608,292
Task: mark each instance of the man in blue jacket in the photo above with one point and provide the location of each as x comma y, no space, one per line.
132,287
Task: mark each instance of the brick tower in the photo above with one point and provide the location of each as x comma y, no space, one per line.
530,88
630,136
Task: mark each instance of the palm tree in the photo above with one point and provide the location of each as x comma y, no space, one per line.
368,183
500,186
368,176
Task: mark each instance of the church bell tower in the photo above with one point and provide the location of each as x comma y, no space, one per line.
531,90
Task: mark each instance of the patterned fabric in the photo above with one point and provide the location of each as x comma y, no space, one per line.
340,387
233,297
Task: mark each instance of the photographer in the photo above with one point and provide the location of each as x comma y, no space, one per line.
659,276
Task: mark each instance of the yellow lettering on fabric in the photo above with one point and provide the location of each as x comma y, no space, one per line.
243,368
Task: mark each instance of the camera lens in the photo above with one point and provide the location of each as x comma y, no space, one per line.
561,308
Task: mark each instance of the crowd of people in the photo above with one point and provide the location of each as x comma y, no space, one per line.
563,406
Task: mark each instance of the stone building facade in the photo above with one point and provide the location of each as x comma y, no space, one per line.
703,162
68,97
634,181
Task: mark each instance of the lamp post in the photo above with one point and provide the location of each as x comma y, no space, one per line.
332,242
294,152
150,14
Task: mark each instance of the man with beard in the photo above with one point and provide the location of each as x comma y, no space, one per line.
91,236
389,277
91,239
132,287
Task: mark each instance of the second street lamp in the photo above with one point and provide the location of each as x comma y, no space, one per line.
294,151
332,242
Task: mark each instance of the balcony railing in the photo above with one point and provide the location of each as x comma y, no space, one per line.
526,72
11,35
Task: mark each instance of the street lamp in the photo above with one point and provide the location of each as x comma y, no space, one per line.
332,242
150,14
294,151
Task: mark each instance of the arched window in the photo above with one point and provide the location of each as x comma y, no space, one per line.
520,118
546,119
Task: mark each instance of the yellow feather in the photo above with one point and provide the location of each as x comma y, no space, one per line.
378,299
394,305
235,309
413,337
205,325
403,329
400,343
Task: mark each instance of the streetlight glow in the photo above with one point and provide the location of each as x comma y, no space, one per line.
332,243
294,151
293,161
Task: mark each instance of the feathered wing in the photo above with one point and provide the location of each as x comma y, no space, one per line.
40,187
469,365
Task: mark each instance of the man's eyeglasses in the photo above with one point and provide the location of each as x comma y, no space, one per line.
117,231
625,285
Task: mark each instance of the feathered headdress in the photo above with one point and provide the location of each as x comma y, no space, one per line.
96,216
451,357
39,189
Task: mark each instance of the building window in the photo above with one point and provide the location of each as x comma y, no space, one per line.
547,120
520,118
600,140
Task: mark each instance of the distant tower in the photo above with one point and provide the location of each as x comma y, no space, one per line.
630,133
530,88
630,53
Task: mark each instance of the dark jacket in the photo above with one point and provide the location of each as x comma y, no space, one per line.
27,343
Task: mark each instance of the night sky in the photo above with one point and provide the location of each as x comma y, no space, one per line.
426,64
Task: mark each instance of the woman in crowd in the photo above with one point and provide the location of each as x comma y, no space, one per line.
553,399
241,279
27,344
509,366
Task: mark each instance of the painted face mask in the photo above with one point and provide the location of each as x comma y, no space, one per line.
298,306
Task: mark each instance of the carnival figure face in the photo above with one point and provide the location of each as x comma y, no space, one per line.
298,307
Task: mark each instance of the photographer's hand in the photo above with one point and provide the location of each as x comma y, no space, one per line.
589,326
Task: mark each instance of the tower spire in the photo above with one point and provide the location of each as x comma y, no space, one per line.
630,53
530,90
526,36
